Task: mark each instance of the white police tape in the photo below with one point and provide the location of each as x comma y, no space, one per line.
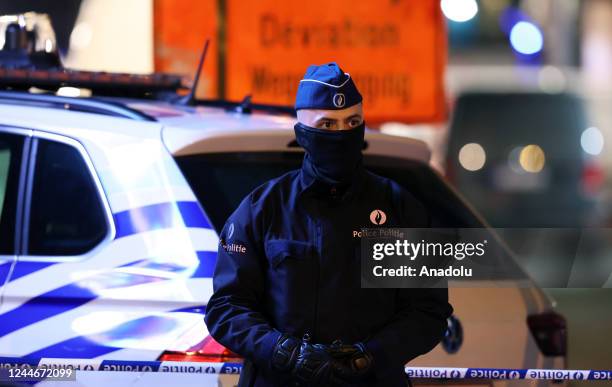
506,373
235,368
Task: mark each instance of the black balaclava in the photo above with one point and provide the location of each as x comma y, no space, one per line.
332,156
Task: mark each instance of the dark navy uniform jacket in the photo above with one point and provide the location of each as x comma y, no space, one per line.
289,261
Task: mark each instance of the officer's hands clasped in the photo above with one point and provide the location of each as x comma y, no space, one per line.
321,365
354,361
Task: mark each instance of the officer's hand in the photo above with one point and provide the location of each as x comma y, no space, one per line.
355,363
315,366
285,353
310,364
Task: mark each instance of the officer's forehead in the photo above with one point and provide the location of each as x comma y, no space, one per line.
312,115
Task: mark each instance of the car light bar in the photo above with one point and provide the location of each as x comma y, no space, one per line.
101,83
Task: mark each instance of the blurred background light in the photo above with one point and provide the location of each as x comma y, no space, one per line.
551,80
592,141
526,38
532,158
459,10
472,156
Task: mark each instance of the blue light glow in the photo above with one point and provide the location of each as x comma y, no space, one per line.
526,38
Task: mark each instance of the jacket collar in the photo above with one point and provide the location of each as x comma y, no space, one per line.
311,185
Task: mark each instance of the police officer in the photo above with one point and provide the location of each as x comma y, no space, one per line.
287,293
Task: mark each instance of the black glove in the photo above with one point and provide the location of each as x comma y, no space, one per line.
309,364
285,353
315,366
354,362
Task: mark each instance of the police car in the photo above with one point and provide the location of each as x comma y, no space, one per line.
110,209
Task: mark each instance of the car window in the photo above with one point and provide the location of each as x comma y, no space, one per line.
66,214
222,180
11,146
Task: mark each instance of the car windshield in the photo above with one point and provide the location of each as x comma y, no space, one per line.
222,180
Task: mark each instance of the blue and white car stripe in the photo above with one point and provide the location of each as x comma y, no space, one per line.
160,215
154,328
42,307
21,270
67,303
190,248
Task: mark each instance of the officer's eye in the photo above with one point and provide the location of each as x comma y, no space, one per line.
326,125
355,122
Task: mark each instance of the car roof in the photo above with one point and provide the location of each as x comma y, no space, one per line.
196,130
186,130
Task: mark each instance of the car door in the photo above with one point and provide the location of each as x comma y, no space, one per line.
13,150
64,222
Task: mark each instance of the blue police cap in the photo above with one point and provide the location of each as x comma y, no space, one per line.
326,86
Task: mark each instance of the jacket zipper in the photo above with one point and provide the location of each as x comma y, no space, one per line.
316,282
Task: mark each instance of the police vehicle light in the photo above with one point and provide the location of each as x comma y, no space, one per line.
69,91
